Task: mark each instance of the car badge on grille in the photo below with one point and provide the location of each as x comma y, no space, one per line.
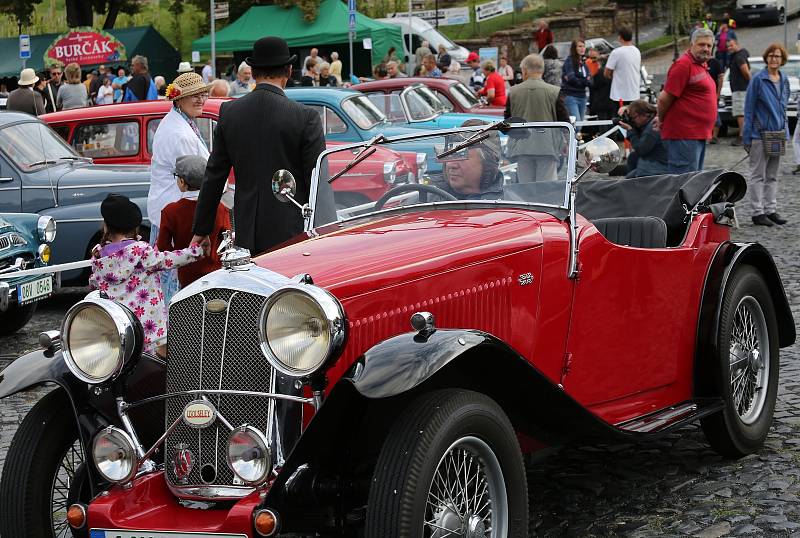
182,462
199,414
216,306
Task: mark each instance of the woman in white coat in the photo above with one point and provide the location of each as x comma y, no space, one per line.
177,134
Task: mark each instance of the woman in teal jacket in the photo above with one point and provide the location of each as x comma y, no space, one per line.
765,110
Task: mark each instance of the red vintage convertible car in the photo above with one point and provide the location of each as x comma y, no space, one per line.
453,94
381,374
123,134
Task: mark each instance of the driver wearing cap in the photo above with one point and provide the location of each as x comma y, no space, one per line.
473,173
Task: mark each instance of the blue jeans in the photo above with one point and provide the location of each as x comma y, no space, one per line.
685,155
576,106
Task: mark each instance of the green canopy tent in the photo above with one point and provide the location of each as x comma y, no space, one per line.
329,28
162,57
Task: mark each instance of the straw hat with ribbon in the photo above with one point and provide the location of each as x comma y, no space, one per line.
186,85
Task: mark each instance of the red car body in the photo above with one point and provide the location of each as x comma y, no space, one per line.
612,324
368,181
444,88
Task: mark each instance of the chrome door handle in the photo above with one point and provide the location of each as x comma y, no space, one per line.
6,179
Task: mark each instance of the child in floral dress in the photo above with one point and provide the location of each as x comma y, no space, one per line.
127,269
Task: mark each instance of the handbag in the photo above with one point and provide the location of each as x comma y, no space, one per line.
773,142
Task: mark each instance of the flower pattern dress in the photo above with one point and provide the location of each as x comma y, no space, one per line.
128,272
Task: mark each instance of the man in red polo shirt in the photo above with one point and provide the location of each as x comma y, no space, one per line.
687,107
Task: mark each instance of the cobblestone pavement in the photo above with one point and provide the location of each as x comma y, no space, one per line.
674,487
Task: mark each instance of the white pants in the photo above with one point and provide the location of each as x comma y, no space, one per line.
796,144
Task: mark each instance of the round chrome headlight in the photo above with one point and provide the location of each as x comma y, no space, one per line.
99,337
46,226
249,456
301,328
114,455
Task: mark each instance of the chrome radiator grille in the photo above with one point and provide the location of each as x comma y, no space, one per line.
215,351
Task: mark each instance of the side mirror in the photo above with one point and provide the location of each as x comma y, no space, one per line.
601,155
284,187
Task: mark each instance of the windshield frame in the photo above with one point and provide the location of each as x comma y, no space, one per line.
350,117
447,204
455,91
59,141
404,99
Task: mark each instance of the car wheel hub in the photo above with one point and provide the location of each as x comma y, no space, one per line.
467,495
749,371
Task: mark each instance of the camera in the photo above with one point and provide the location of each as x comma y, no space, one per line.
624,118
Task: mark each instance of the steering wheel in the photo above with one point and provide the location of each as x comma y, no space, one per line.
421,188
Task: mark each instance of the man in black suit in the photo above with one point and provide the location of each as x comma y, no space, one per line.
258,134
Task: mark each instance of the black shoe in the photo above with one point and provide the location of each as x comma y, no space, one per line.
736,142
774,217
762,220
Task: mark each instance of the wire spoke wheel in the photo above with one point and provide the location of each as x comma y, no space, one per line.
59,491
467,496
749,353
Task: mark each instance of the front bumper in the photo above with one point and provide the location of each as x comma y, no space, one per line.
757,13
149,506
8,289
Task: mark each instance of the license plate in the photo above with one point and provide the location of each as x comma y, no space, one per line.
33,291
754,16
110,533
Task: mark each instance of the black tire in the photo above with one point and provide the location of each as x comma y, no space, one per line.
781,17
45,441
741,428
15,318
435,429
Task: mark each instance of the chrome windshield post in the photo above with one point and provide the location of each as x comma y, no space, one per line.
572,271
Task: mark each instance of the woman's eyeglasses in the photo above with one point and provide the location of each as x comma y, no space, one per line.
200,97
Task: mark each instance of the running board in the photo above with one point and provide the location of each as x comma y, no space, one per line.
672,417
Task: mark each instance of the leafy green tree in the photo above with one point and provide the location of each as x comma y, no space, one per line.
22,10
81,12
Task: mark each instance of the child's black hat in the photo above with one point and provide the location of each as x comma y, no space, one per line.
120,213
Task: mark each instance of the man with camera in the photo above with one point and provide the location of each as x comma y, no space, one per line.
649,151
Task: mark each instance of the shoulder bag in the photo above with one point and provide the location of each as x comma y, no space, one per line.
773,142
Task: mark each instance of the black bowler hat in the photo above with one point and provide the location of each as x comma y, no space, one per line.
120,213
270,52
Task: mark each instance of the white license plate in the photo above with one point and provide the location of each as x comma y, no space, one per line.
33,291
110,533
754,16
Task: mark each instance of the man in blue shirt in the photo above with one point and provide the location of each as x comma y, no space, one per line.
117,84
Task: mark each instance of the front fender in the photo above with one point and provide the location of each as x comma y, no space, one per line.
403,362
35,369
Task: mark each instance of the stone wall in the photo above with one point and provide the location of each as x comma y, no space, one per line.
599,21
566,28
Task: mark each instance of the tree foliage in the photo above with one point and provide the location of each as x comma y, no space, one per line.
22,10
81,12
310,8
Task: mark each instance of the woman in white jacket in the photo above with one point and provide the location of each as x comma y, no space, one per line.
177,134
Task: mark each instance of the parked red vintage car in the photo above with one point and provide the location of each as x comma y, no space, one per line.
123,134
381,374
454,95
